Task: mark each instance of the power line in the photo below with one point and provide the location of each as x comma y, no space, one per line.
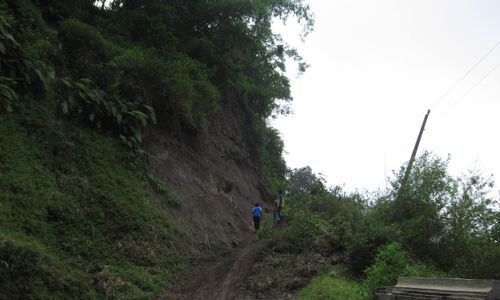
466,74
470,89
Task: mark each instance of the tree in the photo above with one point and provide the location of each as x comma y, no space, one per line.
471,234
419,209
303,182
449,221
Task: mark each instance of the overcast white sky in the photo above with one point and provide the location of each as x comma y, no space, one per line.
376,67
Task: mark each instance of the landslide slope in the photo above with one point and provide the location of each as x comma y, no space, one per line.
133,139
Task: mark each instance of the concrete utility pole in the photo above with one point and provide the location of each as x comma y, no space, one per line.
413,154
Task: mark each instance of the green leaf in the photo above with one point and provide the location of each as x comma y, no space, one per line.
51,74
144,122
3,51
65,108
153,117
67,82
82,95
137,134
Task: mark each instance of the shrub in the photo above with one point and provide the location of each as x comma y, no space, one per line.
18,75
177,86
97,107
85,51
25,273
332,287
392,261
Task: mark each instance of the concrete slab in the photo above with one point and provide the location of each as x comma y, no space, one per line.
416,288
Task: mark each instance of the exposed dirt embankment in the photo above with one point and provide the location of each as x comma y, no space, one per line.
221,279
212,171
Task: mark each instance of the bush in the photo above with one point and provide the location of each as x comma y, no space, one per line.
304,231
76,194
177,86
27,274
331,286
84,100
18,75
85,51
392,261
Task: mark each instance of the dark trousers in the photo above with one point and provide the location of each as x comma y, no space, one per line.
256,223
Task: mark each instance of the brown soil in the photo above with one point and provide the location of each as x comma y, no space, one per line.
214,172
222,279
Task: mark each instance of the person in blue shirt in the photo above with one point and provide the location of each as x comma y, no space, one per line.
257,216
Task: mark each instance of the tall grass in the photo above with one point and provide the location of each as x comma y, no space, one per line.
77,218
331,286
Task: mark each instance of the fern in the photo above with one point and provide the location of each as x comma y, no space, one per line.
102,109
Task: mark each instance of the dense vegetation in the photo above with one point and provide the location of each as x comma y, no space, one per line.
438,226
80,84
121,65
77,219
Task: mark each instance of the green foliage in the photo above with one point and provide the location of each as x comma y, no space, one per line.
226,223
272,161
180,84
171,199
391,262
445,225
233,40
73,192
445,219
279,273
417,211
471,233
83,98
303,183
30,30
318,219
9,96
331,286
17,74
85,51
29,274
306,231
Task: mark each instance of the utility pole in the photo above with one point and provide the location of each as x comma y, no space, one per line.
413,154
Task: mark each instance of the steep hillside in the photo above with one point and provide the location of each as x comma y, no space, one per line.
214,175
133,139
78,219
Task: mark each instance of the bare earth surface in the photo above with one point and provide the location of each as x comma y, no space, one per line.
220,279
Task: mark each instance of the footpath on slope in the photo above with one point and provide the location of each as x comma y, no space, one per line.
220,279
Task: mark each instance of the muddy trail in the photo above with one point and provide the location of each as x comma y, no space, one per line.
221,279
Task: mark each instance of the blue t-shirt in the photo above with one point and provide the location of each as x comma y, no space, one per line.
257,211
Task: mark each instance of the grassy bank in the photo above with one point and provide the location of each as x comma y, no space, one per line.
77,218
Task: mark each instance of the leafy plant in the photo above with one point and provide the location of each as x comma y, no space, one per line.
8,94
174,87
170,197
18,74
332,287
85,51
109,111
391,262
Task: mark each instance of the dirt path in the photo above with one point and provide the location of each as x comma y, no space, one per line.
221,279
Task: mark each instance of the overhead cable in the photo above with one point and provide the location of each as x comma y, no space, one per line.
471,88
465,74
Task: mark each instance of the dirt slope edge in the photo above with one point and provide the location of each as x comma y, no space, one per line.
212,171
